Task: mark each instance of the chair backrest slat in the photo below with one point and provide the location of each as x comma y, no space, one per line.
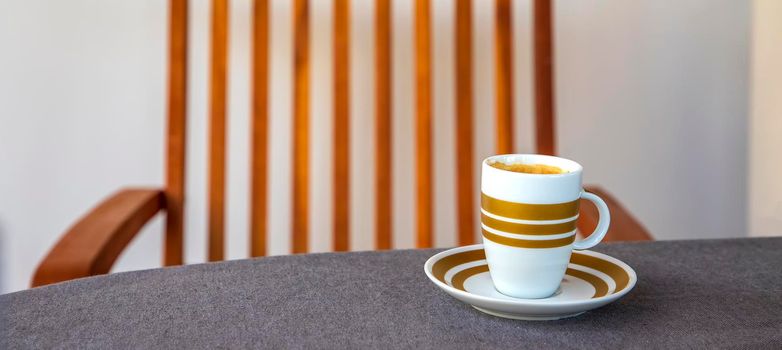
341,198
423,123
383,126
177,116
463,99
301,82
260,128
504,67
544,76
219,68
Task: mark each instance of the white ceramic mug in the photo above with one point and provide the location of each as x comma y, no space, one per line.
528,223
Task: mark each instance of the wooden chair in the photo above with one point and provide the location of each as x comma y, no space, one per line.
92,245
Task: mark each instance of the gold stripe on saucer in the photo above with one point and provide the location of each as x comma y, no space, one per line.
528,243
601,287
616,272
441,267
458,279
524,211
526,229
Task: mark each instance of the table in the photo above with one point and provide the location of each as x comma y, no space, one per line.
708,293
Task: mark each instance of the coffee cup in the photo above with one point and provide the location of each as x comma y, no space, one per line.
529,207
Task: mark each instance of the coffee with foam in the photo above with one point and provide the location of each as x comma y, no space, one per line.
528,168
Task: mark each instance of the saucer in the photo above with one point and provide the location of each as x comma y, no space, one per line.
592,280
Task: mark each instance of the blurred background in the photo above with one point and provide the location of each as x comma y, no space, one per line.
674,106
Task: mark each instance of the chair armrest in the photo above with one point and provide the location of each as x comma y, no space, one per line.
624,226
91,246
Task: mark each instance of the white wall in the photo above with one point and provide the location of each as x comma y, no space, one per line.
653,102
765,190
651,99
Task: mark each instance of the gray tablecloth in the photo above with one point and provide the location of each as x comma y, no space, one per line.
703,294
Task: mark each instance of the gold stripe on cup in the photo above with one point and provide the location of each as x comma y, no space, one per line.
524,211
529,243
527,229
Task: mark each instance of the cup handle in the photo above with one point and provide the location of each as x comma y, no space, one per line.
602,224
